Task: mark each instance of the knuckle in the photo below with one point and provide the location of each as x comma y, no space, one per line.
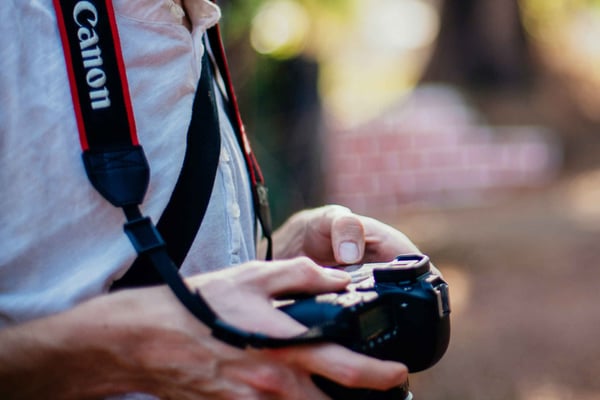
307,270
270,379
350,377
337,209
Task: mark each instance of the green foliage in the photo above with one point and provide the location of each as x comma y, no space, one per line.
237,17
238,14
258,79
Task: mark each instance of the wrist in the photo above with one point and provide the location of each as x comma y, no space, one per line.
81,353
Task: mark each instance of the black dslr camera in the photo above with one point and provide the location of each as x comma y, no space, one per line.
396,311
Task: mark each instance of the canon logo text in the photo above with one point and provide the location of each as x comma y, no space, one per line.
85,16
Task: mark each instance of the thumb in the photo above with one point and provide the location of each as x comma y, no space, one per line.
347,238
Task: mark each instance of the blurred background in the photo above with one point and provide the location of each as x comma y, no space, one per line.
471,125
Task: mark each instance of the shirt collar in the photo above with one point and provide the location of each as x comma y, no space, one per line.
202,13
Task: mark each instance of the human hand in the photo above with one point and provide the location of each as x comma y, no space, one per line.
288,370
332,235
144,340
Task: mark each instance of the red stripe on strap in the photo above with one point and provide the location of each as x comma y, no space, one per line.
71,73
122,73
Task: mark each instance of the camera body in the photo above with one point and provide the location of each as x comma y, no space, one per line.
397,311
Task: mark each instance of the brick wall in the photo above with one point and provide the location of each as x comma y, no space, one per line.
435,150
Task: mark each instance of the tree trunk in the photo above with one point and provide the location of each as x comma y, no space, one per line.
482,44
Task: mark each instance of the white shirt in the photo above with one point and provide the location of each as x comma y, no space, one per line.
60,241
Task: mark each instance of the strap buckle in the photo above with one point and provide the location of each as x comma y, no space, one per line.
143,235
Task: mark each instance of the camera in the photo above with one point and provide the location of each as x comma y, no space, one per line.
398,310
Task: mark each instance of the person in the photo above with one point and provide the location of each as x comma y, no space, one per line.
63,335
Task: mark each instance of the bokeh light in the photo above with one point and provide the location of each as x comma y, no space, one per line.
371,52
280,29
566,33
379,60
400,25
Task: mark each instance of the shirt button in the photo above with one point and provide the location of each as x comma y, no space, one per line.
225,156
235,210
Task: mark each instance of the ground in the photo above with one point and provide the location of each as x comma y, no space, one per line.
524,272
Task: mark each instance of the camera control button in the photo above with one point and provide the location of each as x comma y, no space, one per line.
349,299
368,284
369,296
327,298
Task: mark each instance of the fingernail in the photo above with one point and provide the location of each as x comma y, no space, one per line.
349,252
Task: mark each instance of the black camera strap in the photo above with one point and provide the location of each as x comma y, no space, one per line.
115,161
181,218
259,189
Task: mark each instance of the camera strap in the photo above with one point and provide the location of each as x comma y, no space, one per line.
115,161
259,189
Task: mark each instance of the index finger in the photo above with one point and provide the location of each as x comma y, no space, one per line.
348,368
